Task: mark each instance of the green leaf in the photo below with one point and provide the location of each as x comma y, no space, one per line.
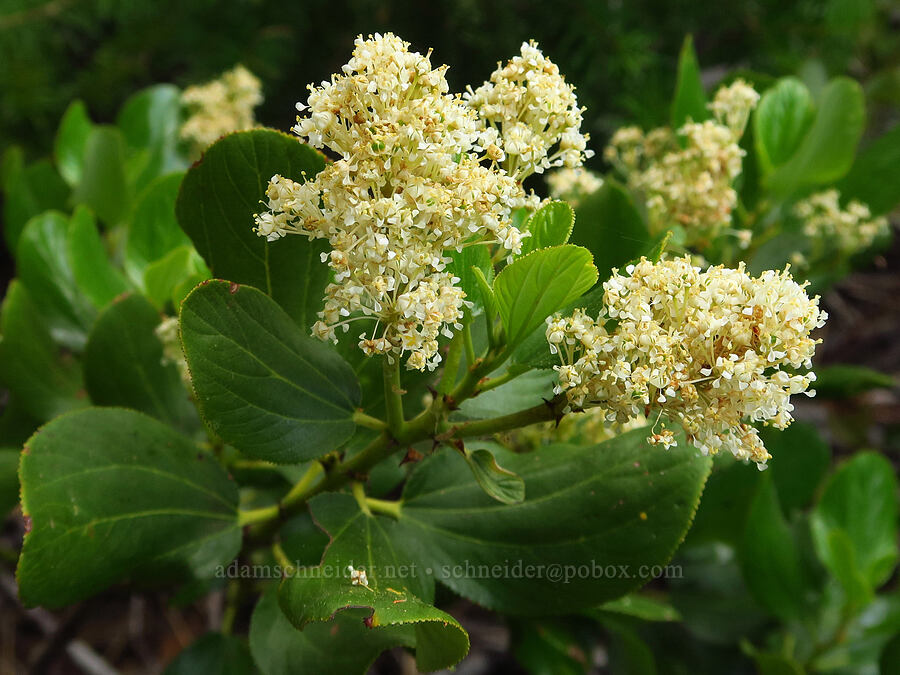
103,184
497,482
547,648
843,564
261,384
860,499
9,480
726,499
215,208
150,121
92,270
213,654
462,263
800,460
43,378
28,191
550,225
589,512
782,119
609,225
768,663
533,287
770,558
163,276
890,657
71,140
46,272
690,99
867,181
153,231
396,593
343,645
843,380
123,365
111,495
640,606
826,152
525,391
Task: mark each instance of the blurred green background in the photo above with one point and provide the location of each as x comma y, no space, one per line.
620,53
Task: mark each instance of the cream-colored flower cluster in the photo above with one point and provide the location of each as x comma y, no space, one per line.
533,115
220,107
417,175
848,230
686,176
573,185
710,350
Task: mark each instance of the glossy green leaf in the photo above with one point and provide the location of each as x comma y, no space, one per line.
28,191
546,648
123,365
46,271
215,208
595,521
9,479
213,654
173,269
550,225
462,264
92,270
827,150
44,378
781,120
149,121
532,288
844,380
71,141
153,231
842,562
397,593
104,186
867,181
525,391
641,606
726,500
860,499
609,225
112,494
262,385
771,560
497,482
343,645
690,99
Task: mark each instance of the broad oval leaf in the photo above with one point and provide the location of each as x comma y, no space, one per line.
550,225
104,185
595,521
261,384
111,494
215,208
827,150
46,271
342,645
860,500
783,117
868,178
123,365
532,288
153,231
149,121
610,226
71,139
91,267
43,377
28,192
398,592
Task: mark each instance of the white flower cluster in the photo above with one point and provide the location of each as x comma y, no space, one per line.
686,176
530,111
417,175
220,107
710,350
573,185
848,230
